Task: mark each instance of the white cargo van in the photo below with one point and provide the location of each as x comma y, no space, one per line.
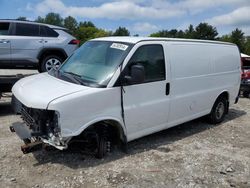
118,89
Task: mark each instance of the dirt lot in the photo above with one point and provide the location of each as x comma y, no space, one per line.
194,154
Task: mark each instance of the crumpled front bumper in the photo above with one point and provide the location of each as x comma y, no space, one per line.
31,142
21,130
24,134
39,126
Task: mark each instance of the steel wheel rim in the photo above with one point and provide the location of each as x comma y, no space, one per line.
52,63
219,111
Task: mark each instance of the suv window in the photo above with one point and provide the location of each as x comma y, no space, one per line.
4,28
47,32
27,29
152,58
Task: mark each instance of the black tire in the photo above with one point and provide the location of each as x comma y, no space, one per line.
218,111
102,146
245,94
42,67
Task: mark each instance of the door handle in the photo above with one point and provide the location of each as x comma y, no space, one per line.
4,41
41,41
167,88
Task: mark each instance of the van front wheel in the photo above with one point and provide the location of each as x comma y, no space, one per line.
103,146
218,111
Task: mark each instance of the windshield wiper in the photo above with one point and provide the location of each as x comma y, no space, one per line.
75,77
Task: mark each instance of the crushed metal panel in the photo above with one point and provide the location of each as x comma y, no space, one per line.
21,130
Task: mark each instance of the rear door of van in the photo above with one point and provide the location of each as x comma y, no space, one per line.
146,105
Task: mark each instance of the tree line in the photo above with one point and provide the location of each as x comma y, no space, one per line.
205,31
87,30
83,31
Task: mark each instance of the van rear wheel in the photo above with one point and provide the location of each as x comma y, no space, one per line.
218,111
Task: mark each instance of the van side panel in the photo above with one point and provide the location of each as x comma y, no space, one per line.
226,70
77,112
200,72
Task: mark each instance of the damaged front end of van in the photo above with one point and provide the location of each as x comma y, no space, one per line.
75,103
39,127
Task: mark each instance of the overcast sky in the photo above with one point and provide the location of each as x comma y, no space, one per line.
139,16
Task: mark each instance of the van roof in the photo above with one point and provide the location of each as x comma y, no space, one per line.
32,22
134,40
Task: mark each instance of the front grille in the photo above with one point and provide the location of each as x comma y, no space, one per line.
27,118
33,119
40,122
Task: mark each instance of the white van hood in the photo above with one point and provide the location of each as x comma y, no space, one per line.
39,90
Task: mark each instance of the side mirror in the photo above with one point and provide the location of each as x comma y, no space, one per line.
137,74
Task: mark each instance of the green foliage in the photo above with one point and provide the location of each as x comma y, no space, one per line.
22,18
40,19
83,31
101,33
205,31
162,33
237,37
53,19
173,33
247,45
189,32
87,30
225,38
121,31
202,31
86,24
87,33
71,24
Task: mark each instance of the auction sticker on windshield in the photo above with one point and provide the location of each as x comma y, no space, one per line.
119,46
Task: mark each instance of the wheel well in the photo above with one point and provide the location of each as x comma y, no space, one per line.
112,127
225,95
48,52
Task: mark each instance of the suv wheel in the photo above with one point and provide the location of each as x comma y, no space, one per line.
50,62
219,110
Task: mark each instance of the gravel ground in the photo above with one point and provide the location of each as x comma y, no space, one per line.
194,154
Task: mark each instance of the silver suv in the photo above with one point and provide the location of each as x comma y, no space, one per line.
25,44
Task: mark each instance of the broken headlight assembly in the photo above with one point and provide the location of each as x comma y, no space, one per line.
38,127
41,123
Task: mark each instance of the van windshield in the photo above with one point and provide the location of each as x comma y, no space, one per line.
95,62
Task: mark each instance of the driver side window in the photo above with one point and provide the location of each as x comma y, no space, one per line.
152,58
